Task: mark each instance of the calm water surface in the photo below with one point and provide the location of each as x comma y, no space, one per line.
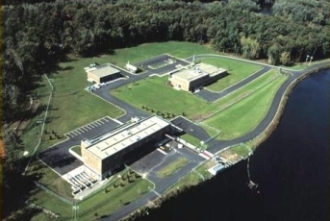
291,168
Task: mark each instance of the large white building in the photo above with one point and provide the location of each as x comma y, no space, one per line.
109,152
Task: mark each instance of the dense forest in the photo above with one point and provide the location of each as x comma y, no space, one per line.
38,34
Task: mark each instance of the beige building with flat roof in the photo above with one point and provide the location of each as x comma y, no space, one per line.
196,77
103,73
111,151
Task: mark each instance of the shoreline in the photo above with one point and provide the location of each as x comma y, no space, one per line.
270,128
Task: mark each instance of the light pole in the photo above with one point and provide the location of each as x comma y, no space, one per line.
310,60
307,59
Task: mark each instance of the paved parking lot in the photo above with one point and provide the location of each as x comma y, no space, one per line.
156,160
58,157
95,127
163,69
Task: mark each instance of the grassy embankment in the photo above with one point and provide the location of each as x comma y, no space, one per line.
303,65
247,113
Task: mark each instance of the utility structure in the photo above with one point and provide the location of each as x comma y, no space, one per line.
75,211
252,185
310,60
307,56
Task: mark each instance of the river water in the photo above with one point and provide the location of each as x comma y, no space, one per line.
291,168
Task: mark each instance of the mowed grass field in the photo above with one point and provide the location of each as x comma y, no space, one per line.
155,93
149,50
237,71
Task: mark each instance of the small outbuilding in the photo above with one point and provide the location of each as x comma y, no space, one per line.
131,68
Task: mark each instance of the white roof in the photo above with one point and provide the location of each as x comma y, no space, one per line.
119,139
103,71
189,74
198,71
214,170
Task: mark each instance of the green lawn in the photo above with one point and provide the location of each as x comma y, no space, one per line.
191,139
148,50
154,93
237,71
47,201
70,108
32,131
172,167
246,114
76,149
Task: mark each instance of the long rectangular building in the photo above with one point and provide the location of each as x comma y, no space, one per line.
111,151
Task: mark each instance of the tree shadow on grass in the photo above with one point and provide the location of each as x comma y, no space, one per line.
66,68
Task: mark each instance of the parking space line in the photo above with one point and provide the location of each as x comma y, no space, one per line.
89,127
84,129
101,122
109,118
81,130
98,123
92,125
105,119
77,131
117,121
74,133
163,152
